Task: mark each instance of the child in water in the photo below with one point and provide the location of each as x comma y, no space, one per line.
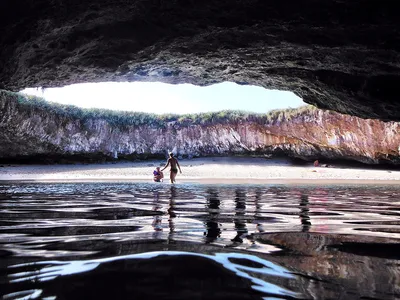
158,175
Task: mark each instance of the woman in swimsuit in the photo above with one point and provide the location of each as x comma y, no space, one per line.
174,167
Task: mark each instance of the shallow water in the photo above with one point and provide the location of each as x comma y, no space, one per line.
196,241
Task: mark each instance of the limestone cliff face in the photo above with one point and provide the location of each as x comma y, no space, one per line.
29,131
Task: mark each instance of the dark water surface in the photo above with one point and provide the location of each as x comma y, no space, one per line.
196,241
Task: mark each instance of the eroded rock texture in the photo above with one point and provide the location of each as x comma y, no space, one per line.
336,54
31,131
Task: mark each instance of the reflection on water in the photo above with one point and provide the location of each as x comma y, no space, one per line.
240,212
199,241
212,227
304,210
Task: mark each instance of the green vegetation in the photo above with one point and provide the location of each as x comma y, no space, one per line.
124,118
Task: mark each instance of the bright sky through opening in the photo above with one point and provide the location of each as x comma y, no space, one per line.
162,98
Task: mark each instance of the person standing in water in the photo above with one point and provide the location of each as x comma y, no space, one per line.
173,162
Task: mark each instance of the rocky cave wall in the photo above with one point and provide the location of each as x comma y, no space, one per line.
29,131
336,54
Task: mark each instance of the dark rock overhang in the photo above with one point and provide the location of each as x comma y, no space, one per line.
336,54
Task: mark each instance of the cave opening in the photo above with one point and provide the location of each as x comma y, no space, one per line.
98,122
336,55
163,98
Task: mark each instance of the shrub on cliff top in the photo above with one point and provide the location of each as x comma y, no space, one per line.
124,118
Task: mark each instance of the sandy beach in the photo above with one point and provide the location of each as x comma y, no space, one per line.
207,170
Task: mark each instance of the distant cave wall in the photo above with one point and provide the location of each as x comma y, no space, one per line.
338,55
30,131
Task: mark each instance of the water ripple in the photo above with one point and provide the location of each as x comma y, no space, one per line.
339,241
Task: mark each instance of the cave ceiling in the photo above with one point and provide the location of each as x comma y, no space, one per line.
337,54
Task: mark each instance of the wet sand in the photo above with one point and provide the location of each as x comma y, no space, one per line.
205,170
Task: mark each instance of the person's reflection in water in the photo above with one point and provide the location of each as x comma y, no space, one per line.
157,226
258,205
240,211
212,227
304,213
171,213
